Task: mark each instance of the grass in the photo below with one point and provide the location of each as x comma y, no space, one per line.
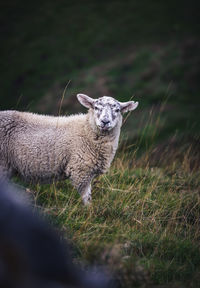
43,43
143,224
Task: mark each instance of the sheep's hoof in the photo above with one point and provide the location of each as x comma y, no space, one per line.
87,204
87,201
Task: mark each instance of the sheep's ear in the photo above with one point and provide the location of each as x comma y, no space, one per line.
128,106
85,100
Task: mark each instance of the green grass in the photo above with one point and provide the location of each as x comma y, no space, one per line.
48,42
143,224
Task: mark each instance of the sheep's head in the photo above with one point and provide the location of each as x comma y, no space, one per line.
106,110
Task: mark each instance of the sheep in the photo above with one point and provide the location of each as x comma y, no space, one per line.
79,147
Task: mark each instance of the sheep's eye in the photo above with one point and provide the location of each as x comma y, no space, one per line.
117,110
96,108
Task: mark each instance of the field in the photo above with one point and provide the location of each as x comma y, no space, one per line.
143,224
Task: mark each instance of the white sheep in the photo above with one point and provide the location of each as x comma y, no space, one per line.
45,148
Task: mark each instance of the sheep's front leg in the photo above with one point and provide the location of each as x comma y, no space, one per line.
82,182
85,192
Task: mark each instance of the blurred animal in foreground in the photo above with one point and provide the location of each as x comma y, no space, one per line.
79,147
32,254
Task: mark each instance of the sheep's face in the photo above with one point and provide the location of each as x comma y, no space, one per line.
106,110
106,113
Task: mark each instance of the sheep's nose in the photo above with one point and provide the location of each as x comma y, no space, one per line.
105,122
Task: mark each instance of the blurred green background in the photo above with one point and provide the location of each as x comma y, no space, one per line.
147,50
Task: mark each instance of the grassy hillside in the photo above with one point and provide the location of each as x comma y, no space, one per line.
44,42
143,225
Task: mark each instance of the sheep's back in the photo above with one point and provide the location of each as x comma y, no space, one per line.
38,147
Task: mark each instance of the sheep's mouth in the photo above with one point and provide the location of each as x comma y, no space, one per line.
105,128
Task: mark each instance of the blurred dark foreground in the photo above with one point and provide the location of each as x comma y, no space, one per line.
32,254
